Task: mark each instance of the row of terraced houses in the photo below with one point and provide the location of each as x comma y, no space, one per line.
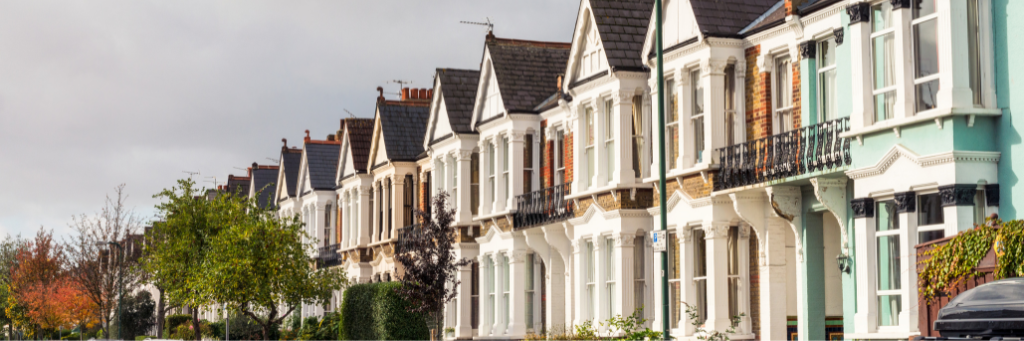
810,146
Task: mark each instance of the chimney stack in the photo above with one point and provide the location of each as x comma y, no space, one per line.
380,94
792,7
330,137
559,80
307,136
285,146
430,93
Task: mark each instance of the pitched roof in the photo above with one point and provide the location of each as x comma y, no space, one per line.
263,178
403,125
622,25
238,184
360,132
322,163
526,70
458,88
728,17
292,159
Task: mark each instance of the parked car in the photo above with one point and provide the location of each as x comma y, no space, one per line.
994,309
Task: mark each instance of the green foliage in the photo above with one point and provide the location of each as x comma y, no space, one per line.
949,264
144,337
137,316
186,332
309,329
242,328
586,331
711,335
375,311
173,321
328,328
632,326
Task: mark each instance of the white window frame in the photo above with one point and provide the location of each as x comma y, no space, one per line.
590,142
697,118
672,101
928,228
591,279
609,138
530,291
673,247
914,23
505,166
902,232
492,157
823,70
891,30
610,270
640,276
453,184
559,157
702,306
729,89
782,116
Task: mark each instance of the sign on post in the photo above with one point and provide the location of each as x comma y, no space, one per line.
658,240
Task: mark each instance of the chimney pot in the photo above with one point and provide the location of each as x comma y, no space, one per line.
430,93
307,135
405,94
330,137
423,94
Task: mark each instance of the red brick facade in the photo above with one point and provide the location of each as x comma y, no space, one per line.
759,97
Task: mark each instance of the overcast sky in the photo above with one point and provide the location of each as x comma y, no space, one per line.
94,94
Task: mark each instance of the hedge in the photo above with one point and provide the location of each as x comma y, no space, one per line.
174,320
375,311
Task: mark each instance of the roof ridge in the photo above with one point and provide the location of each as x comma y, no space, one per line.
532,43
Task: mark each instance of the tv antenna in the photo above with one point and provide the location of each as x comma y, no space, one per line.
273,159
240,168
191,174
489,24
214,180
350,114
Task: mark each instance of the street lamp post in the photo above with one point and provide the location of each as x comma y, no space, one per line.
120,289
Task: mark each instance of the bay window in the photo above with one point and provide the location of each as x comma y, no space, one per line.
697,115
407,206
474,183
674,282
490,266
672,124
827,108
327,225
609,270
887,236
883,35
733,265
930,218
491,170
700,274
474,294
588,136
783,94
591,269
639,273
637,132
505,292
926,54
529,291
974,50
609,139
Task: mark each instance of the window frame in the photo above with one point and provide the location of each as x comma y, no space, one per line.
822,71
890,30
590,142
899,233
591,279
609,137
559,157
782,114
492,153
609,280
672,124
697,119
916,58
637,140
505,167
698,238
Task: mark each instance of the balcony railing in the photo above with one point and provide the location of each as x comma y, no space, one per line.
809,149
328,256
408,236
542,206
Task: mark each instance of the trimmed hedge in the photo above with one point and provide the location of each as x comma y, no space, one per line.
375,311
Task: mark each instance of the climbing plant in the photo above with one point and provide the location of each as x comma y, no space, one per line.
951,263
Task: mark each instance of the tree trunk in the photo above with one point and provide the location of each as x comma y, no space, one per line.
160,314
195,323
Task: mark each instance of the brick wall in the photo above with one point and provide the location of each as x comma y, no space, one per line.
546,150
643,199
796,94
758,97
568,158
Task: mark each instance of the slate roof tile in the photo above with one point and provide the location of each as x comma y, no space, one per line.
292,160
728,17
360,134
458,87
263,179
403,126
322,163
526,70
620,22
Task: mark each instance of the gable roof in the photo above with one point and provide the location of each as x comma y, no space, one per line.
322,163
458,89
403,125
728,17
291,159
360,132
262,179
238,184
622,25
526,71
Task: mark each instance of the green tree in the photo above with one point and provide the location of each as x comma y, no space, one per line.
263,269
9,248
177,247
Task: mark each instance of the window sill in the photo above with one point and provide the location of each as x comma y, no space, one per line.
606,189
699,168
490,216
924,116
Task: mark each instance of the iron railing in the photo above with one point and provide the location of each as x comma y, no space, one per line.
407,236
809,149
328,256
542,206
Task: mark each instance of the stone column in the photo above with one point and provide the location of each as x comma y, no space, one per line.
954,58
398,192
714,106
486,193
517,293
581,287
600,312
860,59
362,218
716,235
864,220
687,289
903,56
463,211
485,308
464,307
623,173
906,206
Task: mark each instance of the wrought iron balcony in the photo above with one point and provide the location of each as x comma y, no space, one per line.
542,206
328,256
408,236
806,150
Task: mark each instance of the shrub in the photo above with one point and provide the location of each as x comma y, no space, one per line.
328,328
375,311
309,329
174,320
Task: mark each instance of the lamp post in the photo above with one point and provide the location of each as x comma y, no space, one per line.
120,290
665,325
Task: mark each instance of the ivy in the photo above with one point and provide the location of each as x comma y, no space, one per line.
947,265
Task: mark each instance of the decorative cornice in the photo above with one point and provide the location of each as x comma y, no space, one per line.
863,207
899,150
838,35
906,202
859,12
808,49
958,194
716,229
992,195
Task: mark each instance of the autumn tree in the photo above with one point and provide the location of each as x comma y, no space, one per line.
262,265
41,288
9,248
427,254
99,268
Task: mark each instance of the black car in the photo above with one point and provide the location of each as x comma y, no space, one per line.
991,310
